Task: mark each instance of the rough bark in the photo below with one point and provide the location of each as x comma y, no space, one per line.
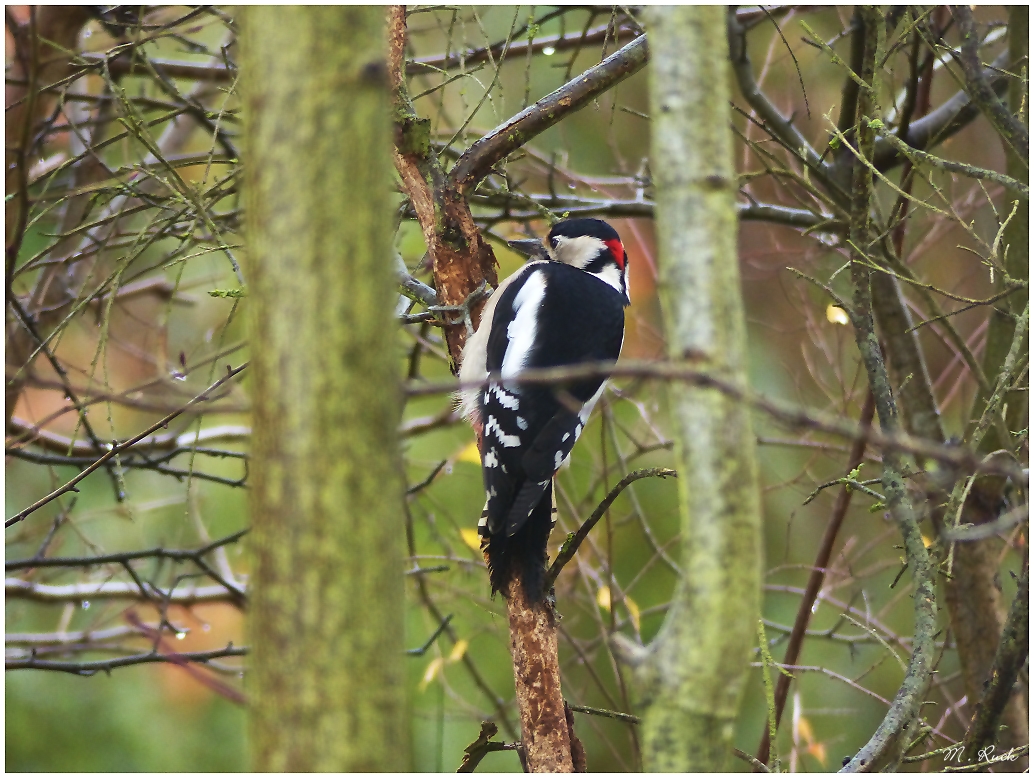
326,622
460,257
461,260
692,676
545,735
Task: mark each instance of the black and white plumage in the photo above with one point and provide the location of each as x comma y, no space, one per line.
563,309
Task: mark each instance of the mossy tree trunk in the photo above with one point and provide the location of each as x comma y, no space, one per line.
694,673
326,679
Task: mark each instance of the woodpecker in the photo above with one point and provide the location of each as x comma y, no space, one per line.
564,307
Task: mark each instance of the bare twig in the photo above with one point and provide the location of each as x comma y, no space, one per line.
16,588
70,485
608,714
571,545
517,48
480,748
941,123
793,416
107,665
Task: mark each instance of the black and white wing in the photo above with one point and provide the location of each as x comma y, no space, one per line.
550,315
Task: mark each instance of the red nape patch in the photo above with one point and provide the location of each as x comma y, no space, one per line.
618,251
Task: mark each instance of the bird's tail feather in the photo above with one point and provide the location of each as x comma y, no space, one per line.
524,552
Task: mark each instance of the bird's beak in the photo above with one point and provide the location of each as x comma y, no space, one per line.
532,248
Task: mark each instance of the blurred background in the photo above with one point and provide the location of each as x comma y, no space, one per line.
127,263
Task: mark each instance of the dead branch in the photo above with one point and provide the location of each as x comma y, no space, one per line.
461,259
477,161
482,747
546,738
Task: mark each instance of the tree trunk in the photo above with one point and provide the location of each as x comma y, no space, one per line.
327,675
694,673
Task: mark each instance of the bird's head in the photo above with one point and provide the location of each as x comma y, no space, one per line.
591,245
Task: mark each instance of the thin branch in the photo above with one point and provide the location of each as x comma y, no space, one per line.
477,161
571,207
178,555
79,637
430,641
107,665
181,442
127,63
774,123
16,588
943,122
517,48
570,547
70,485
790,415
480,748
628,718
970,171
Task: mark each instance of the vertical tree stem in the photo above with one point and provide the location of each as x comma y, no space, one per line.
326,621
695,671
545,735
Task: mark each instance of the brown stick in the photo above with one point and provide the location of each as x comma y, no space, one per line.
818,575
460,256
546,738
